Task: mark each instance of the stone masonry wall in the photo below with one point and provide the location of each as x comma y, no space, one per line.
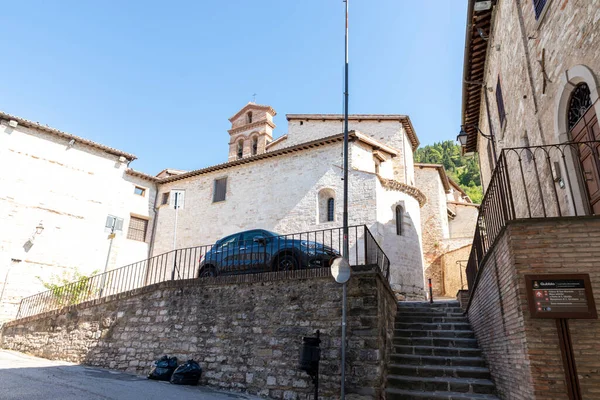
245,331
535,98
523,353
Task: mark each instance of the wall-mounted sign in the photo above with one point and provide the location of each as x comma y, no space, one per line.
560,296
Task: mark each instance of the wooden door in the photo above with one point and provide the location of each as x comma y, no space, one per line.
587,129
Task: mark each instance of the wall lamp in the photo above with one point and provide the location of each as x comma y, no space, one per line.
462,137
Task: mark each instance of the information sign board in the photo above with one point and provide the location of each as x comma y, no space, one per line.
560,296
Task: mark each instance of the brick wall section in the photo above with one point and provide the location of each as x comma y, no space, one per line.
245,332
524,353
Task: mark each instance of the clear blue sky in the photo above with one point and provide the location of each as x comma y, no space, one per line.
161,79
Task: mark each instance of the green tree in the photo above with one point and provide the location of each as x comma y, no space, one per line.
462,170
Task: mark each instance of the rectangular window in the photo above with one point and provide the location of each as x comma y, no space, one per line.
140,191
137,229
538,6
165,198
220,190
500,102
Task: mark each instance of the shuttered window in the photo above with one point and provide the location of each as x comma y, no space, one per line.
538,6
220,190
137,229
500,102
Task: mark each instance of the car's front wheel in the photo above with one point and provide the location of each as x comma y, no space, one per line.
286,262
208,271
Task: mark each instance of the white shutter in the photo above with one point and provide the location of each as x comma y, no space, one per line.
180,194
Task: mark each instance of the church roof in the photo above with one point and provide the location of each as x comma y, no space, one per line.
353,135
53,131
404,120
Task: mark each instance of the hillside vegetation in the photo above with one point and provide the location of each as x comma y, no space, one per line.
462,170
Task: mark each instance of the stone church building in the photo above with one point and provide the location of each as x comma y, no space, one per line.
288,184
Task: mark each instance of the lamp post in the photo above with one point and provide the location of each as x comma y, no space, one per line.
463,135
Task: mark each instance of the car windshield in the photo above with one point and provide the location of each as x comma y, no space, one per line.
273,233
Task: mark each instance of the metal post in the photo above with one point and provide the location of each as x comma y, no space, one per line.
317,371
346,248
13,261
430,292
176,206
111,236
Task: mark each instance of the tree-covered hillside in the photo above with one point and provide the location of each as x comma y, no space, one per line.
462,170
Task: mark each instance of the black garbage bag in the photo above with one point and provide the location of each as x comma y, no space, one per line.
163,368
187,374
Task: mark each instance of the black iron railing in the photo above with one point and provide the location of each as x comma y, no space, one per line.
533,182
255,253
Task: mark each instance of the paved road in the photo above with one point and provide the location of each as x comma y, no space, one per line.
31,378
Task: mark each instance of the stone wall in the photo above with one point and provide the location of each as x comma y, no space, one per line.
72,190
535,99
523,353
245,331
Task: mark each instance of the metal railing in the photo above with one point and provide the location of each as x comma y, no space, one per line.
256,254
531,182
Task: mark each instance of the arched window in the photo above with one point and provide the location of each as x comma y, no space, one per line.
399,219
579,103
254,146
330,209
326,205
240,149
249,115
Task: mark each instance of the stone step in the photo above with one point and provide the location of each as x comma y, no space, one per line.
426,304
439,371
399,394
431,326
436,342
416,359
433,384
430,310
437,351
409,318
430,313
438,333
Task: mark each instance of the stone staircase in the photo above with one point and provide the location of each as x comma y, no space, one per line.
435,355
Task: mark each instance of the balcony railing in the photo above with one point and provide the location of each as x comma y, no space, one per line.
257,255
532,182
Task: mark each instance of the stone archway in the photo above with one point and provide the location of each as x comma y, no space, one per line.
576,111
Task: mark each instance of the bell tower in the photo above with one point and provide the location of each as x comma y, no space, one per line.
251,131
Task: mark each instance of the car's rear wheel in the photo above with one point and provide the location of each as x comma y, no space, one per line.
208,271
286,262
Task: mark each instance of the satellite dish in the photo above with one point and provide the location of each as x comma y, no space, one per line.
340,270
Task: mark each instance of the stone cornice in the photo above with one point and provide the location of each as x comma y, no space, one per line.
250,126
391,184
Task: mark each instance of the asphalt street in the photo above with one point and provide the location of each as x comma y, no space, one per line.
31,378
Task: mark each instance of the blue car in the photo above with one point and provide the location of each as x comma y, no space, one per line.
260,250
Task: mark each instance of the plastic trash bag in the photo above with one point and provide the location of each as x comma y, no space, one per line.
187,374
163,368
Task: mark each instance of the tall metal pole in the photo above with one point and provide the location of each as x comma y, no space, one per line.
346,249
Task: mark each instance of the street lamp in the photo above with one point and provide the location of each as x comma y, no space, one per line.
463,135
